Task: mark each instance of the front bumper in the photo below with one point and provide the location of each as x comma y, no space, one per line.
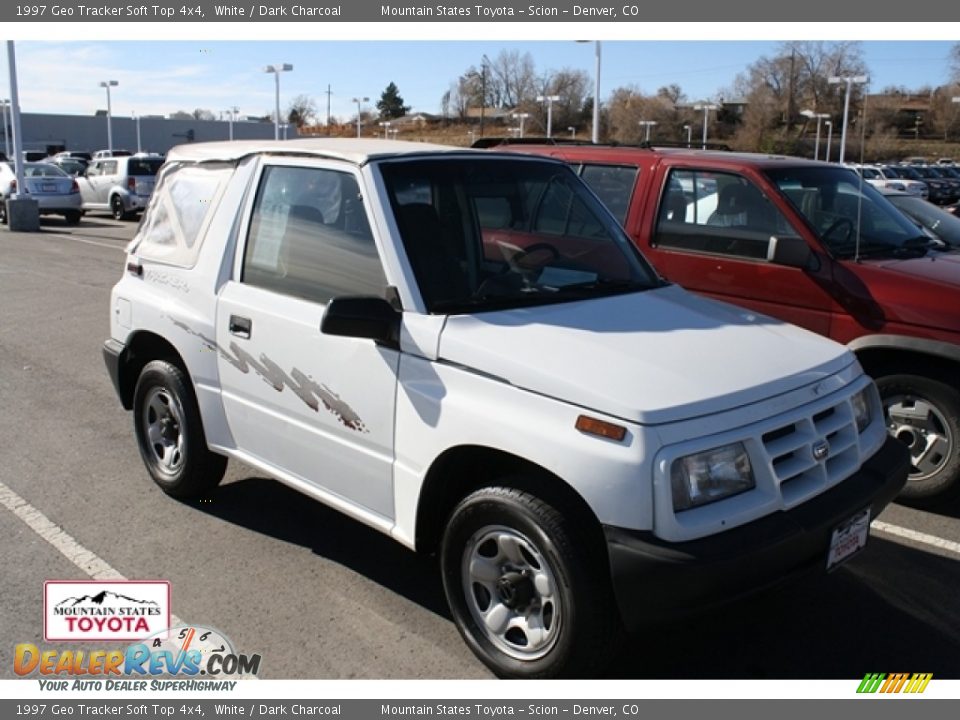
654,579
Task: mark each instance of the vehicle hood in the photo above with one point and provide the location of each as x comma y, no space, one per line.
651,357
921,291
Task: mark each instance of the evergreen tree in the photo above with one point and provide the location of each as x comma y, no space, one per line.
391,104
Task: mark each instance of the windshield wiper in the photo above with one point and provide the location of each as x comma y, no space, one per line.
604,286
914,247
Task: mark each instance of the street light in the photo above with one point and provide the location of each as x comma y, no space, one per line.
521,117
549,100
829,125
276,70
647,124
109,84
847,80
706,107
359,100
136,119
689,129
231,115
596,94
4,104
819,116
386,128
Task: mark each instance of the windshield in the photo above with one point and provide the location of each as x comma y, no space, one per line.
492,233
941,223
42,170
835,202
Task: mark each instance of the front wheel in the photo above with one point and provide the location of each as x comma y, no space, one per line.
924,414
531,597
170,433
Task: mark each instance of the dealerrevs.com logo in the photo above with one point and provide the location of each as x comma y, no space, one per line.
83,611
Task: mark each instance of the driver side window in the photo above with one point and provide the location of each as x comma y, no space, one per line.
717,213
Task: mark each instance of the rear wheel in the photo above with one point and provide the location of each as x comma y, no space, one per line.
529,594
72,217
170,433
3,211
118,209
924,414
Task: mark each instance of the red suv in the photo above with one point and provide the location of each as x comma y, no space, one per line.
809,243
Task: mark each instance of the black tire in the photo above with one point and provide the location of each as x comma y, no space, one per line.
117,209
577,611
3,211
923,412
72,217
170,433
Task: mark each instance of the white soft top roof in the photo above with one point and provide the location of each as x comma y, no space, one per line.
354,150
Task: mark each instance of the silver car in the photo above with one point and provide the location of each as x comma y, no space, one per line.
119,185
56,192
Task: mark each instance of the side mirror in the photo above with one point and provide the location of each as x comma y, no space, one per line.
791,251
362,317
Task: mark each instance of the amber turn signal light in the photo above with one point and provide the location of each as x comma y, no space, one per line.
593,426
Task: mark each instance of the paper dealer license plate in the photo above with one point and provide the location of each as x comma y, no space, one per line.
849,538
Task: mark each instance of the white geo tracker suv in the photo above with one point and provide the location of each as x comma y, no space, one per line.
463,350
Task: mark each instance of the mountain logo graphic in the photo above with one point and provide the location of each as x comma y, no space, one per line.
101,598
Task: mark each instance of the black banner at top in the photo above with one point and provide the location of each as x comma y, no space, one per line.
632,11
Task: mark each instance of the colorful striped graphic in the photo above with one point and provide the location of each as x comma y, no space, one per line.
894,682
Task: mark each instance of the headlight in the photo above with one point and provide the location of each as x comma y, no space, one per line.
861,407
709,476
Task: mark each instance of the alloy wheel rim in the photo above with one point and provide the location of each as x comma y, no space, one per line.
923,428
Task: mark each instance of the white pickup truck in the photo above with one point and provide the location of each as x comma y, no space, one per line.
463,350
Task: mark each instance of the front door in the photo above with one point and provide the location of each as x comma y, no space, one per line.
315,407
712,235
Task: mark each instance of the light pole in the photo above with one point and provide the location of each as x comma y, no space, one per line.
276,70
386,128
819,116
521,117
953,100
231,113
689,129
109,84
646,125
847,80
829,125
136,119
4,104
573,132
706,107
549,100
359,100
596,93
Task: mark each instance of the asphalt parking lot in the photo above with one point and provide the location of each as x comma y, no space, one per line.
320,596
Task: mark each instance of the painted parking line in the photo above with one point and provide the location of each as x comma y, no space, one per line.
915,536
87,560
112,246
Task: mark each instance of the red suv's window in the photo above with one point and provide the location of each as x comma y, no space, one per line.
719,213
613,184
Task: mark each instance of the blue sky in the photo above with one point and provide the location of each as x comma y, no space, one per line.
164,76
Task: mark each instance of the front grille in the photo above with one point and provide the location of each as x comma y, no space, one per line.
790,451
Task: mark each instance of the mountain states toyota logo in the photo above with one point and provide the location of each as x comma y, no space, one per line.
83,611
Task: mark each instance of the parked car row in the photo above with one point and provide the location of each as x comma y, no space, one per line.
120,184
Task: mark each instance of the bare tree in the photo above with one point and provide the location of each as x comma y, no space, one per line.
202,114
955,62
301,111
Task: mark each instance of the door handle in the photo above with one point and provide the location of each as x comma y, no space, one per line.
240,326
